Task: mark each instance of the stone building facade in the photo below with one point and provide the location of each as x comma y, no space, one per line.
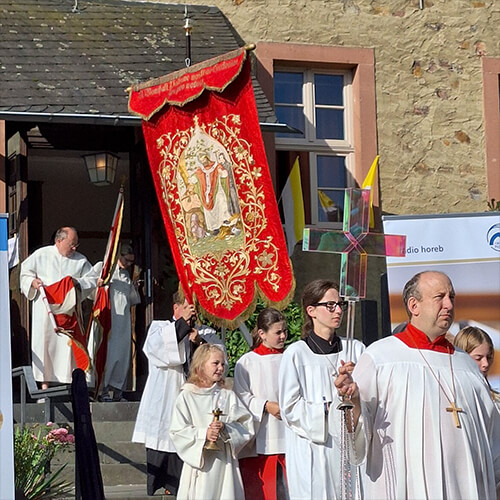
436,66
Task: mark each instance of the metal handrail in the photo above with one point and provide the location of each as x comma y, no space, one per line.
27,380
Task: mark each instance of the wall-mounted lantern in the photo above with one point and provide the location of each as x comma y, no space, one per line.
101,168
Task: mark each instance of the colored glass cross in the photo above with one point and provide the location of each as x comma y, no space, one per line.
355,243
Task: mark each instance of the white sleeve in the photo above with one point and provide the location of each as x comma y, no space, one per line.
27,275
242,387
306,418
161,347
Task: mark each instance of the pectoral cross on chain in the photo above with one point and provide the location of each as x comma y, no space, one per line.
453,408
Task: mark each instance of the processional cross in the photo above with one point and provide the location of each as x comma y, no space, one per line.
355,243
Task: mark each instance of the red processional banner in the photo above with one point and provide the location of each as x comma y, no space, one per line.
213,184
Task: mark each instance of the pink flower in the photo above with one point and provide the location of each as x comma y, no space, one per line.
49,424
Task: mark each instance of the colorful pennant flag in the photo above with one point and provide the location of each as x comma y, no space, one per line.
327,204
100,319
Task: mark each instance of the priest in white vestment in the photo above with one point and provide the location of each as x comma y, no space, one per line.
123,295
435,433
168,347
52,357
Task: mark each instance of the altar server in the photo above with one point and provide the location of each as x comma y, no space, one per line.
168,347
262,462
313,372
205,413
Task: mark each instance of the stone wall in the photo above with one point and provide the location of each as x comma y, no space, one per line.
428,91
428,85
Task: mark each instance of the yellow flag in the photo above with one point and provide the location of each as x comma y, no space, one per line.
369,183
327,204
293,207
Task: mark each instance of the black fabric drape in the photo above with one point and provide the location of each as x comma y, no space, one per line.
87,457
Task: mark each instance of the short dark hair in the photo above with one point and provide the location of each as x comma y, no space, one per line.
126,249
176,298
411,288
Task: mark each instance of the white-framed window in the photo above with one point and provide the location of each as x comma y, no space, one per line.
318,103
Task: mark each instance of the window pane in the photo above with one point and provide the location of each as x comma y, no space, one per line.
329,89
330,205
329,124
288,87
331,171
291,116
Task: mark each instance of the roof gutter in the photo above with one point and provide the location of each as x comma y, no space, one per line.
116,120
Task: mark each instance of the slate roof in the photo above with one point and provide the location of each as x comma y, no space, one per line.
73,59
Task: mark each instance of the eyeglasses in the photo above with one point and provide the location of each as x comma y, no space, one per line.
332,305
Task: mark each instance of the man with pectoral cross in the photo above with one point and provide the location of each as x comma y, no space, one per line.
435,430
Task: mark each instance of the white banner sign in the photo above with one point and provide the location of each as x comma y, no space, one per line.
467,248
6,417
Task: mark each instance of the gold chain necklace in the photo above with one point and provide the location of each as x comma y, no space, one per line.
453,408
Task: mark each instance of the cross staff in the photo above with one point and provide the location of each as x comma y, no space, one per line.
355,243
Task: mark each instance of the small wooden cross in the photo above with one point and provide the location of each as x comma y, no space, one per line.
453,408
355,243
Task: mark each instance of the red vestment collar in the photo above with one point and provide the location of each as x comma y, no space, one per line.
415,338
263,350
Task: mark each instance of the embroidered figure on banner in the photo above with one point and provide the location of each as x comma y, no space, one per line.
211,187
208,193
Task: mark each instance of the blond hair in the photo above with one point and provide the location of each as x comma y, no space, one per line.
470,337
200,357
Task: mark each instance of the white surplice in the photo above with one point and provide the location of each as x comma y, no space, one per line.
52,357
166,358
209,475
313,457
122,295
255,382
415,451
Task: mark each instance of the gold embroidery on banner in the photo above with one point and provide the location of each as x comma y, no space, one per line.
218,224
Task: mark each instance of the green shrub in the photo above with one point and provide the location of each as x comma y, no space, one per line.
34,449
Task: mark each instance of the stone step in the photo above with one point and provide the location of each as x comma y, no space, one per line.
113,474
133,492
63,412
113,431
128,492
109,453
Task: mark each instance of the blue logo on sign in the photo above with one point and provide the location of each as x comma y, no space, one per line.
493,237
